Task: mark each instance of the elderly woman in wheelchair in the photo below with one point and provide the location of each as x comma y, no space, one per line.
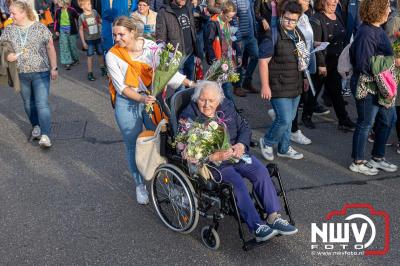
207,101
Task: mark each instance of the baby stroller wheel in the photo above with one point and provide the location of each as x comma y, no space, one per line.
210,237
174,200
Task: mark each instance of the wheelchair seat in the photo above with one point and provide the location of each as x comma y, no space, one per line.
178,102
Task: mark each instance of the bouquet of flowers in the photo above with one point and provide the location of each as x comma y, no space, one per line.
170,61
196,141
396,46
222,71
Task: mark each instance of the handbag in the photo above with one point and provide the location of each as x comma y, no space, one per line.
148,156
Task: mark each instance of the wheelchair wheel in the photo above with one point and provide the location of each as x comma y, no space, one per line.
210,237
174,199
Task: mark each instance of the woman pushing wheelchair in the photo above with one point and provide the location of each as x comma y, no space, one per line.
208,103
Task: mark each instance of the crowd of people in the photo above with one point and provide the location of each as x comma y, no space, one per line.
277,35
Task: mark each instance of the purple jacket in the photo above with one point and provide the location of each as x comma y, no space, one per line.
239,130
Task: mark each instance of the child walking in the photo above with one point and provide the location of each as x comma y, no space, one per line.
65,27
90,33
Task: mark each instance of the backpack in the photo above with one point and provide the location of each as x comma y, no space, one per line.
345,68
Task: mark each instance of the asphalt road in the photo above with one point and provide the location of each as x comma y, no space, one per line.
75,203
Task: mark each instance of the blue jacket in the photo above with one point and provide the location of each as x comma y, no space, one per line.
238,129
348,9
245,13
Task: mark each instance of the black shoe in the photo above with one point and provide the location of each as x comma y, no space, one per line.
91,77
76,62
68,67
320,110
308,123
301,106
347,125
103,71
253,143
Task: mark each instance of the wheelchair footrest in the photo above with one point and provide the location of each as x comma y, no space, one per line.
250,244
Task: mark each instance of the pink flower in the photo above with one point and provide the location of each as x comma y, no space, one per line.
224,67
181,146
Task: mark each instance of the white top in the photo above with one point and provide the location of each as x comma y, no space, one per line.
118,67
305,28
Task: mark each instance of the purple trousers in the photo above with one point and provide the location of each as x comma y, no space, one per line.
258,175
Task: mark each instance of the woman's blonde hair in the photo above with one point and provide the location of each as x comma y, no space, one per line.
24,6
127,22
229,6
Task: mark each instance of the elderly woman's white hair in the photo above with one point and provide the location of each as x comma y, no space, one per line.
208,84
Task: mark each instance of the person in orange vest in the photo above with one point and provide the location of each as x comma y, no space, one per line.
221,42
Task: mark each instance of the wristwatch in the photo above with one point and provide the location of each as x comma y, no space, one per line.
54,69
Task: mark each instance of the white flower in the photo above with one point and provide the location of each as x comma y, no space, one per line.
213,125
198,156
224,67
192,138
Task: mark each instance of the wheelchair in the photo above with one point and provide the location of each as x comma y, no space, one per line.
180,197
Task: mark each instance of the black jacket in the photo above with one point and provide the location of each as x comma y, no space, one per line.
285,80
168,29
263,10
323,32
73,17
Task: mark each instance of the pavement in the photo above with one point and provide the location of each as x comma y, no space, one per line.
74,204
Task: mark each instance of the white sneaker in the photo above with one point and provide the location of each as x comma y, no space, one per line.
292,154
45,141
384,165
272,114
142,196
299,138
36,132
266,151
364,168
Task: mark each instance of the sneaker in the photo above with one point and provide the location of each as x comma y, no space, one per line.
45,141
103,71
266,151
308,123
142,196
239,92
384,165
36,132
283,227
320,110
271,114
371,138
299,138
301,106
264,232
364,168
91,77
346,93
347,125
68,67
292,154
76,62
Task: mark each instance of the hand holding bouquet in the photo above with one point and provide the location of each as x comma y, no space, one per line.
198,141
169,64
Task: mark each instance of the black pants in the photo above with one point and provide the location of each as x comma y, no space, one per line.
333,84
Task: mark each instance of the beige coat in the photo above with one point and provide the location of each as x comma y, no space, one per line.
8,70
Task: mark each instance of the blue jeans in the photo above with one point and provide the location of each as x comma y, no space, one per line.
279,133
94,46
250,46
369,111
128,114
258,175
228,91
187,68
35,88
